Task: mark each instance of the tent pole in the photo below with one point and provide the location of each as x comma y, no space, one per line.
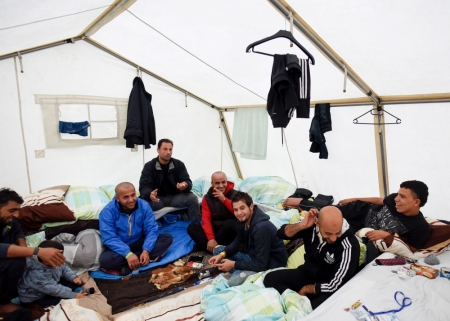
379,131
230,144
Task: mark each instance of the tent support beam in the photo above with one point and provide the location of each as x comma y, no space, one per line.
148,72
46,46
386,100
284,8
230,144
109,14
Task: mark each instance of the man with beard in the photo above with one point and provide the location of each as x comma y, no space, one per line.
331,258
218,221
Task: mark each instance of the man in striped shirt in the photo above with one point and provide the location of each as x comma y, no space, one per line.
331,258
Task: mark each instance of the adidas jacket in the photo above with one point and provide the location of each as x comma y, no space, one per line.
331,264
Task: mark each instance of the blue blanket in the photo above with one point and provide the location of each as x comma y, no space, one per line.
182,245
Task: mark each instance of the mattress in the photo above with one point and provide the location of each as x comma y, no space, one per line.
375,287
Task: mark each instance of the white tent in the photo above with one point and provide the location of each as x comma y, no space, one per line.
191,57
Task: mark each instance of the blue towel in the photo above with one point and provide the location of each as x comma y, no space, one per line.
80,128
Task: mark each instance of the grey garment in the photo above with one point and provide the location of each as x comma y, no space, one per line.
40,280
432,260
382,219
181,200
83,251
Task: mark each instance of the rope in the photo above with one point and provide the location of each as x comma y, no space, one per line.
66,15
290,159
195,56
21,126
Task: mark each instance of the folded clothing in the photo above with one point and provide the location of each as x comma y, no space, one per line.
80,128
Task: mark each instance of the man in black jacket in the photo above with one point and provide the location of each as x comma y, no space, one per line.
331,258
256,247
165,182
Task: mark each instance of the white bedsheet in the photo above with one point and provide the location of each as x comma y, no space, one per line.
375,286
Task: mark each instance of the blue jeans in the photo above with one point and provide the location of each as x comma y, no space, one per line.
237,276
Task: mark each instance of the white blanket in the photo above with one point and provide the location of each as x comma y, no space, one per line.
375,287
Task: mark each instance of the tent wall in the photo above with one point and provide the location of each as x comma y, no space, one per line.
82,69
418,149
350,171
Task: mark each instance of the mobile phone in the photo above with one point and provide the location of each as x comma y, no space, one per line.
193,258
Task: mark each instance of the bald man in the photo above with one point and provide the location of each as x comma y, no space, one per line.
331,258
130,233
218,224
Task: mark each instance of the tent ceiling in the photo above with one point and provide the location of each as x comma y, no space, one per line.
23,26
397,48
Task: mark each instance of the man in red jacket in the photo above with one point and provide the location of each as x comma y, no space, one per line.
218,221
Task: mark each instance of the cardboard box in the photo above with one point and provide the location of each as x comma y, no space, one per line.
424,270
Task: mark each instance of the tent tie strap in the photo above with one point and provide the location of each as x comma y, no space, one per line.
291,22
345,79
20,60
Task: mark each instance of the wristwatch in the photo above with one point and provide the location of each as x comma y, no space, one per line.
35,252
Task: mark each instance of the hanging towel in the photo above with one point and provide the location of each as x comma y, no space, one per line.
140,128
250,132
80,128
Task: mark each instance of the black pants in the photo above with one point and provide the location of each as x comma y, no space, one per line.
224,233
356,213
110,260
11,271
294,279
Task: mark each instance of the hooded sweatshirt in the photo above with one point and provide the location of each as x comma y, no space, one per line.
40,280
260,242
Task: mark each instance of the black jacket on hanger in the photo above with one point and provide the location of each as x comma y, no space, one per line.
284,93
140,128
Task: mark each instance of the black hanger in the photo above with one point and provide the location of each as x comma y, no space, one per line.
279,34
377,112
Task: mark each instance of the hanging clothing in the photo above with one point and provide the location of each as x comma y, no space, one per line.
290,89
320,124
250,132
140,128
80,128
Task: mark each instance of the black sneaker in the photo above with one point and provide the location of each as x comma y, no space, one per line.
125,271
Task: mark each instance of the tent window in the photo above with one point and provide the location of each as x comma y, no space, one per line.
102,118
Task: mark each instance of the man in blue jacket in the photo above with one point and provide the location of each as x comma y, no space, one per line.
256,247
130,233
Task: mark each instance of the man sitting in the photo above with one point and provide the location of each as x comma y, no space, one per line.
130,233
256,238
218,221
331,258
13,250
165,182
398,213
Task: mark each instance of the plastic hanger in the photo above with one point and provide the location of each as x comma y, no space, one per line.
279,34
377,112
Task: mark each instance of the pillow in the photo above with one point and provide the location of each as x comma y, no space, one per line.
31,218
87,202
110,190
59,189
268,190
437,243
297,258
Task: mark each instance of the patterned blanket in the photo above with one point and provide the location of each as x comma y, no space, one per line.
251,301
